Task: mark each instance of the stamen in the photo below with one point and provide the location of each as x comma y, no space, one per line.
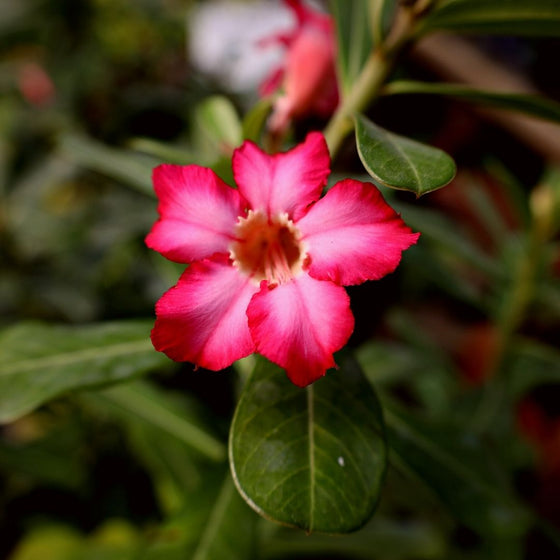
268,248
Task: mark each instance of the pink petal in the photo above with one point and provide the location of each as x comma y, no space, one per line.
203,318
353,235
285,182
305,15
309,81
272,82
198,213
298,325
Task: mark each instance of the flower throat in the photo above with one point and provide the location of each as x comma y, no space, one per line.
267,248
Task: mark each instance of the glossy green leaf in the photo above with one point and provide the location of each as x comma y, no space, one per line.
496,17
460,470
230,529
533,105
40,362
311,458
399,162
354,38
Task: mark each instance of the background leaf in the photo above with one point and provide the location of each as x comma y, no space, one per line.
255,120
151,405
381,13
533,105
354,38
230,530
399,162
219,127
312,458
503,17
460,470
40,361
134,170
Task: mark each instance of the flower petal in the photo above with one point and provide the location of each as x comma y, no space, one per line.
308,88
285,182
298,325
198,213
353,235
203,318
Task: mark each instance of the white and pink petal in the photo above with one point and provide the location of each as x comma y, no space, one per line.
285,182
298,325
198,213
353,235
203,318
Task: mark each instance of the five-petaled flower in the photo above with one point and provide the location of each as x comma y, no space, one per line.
268,261
308,74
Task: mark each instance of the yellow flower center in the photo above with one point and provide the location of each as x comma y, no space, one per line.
268,248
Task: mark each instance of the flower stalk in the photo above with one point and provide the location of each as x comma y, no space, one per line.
372,77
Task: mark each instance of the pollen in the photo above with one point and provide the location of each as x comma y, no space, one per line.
268,248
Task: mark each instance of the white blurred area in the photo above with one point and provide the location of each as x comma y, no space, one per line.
224,36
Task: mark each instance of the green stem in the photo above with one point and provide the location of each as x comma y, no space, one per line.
362,93
371,79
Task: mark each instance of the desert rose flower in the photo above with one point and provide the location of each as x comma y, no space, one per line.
308,75
269,260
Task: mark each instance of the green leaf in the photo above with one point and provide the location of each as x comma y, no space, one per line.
392,539
311,458
169,153
127,167
382,13
255,120
533,105
399,162
532,364
40,362
151,405
496,17
218,124
354,39
230,529
214,524
460,470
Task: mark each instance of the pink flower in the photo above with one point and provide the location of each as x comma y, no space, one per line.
308,75
268,261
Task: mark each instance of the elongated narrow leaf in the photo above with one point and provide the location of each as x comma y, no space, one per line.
230,530
354,38
149,404
311,458
129,168
214,524
39,362
459,469
381,14
497,17
533,105
399,162
533,364
255,120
